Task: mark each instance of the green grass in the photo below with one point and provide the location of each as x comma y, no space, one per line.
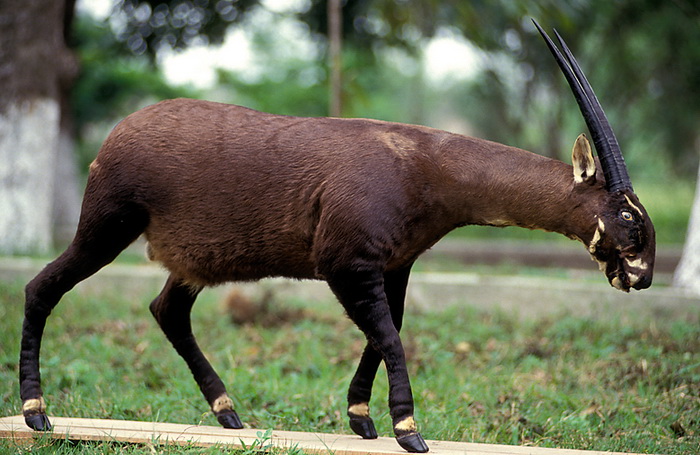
618,383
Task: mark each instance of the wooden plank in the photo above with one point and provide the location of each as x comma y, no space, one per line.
204,436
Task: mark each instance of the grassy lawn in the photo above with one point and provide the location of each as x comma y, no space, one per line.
617,383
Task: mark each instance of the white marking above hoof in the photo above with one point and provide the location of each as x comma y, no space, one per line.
359,410
406,425
34,405
223,403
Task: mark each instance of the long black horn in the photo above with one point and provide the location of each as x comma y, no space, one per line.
604,139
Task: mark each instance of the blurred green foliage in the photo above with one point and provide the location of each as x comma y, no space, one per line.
148,26
642,56
112,83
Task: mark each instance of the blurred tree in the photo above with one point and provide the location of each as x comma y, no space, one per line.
643,57
147,26
35,71
112,83
38,183
687,274
651,66
647,75
520,93
335,44
297,87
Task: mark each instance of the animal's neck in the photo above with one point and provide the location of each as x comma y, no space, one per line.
519,188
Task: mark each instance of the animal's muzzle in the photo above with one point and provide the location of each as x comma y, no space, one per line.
625,281
643,282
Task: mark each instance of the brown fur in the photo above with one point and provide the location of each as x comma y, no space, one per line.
234,194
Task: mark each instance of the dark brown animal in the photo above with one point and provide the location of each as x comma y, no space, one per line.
224,193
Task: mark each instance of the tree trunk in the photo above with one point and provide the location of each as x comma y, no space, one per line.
34,63
66,197
687,273
335,44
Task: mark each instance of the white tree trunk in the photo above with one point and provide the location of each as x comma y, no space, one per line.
67,193
687,273
28,141
36,67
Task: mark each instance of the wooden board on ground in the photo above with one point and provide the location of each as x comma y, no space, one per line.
199,435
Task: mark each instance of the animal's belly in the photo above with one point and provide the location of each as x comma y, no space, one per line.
205,262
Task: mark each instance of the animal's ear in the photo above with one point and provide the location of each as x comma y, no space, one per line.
582,158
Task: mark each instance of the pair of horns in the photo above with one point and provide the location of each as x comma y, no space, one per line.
604,139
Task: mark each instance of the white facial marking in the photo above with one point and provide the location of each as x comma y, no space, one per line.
638,263
601,264
617,284
597,235
633,206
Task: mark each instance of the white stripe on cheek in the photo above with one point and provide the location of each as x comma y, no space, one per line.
597,235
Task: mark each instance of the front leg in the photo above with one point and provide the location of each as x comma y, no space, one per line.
362,295
360,390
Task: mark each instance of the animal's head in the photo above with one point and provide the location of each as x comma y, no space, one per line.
624,241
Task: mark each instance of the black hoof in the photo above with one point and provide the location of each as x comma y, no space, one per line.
38,422
229,419
363,426
413,443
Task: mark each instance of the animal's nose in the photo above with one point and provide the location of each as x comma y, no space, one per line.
643,282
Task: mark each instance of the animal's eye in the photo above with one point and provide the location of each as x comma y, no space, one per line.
627,216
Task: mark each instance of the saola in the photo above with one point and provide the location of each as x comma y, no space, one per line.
224,193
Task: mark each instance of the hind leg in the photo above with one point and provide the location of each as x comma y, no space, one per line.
172,311
95,245
360,389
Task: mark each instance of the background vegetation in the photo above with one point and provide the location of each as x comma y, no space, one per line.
643,58
647,74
